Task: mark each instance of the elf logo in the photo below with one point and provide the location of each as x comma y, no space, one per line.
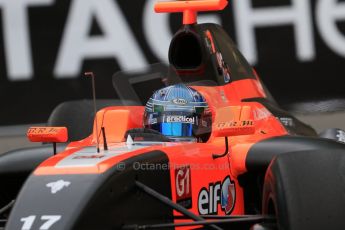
219,193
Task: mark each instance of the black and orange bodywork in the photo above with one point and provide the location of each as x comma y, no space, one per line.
216,178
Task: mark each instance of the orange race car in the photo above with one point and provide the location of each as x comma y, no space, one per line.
196,144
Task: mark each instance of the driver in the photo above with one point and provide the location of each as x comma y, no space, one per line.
180,113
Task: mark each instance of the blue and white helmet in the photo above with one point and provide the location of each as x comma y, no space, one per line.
178,111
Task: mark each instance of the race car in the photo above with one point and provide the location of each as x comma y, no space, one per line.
197,144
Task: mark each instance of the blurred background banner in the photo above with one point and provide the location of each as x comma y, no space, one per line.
296,46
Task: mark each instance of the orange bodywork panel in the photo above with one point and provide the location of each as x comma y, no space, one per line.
50,166
190,8
116,121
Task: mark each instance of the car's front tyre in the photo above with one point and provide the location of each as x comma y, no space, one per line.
306,190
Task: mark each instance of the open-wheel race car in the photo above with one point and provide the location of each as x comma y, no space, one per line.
198,144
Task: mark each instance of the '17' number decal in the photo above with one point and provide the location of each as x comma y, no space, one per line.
48,222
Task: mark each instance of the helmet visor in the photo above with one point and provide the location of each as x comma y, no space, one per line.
176,129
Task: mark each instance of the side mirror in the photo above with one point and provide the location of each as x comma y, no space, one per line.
234,128
48,134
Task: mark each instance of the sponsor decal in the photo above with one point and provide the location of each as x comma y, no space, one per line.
152,119
45,221
287,121
228,195
183,119
243,127
180,101
222,94
209,42
341,136
43,130
204,123
223,68
230,124
219,193
88,157
57,186
183,186
261,114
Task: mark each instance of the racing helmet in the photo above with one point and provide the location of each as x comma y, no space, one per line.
179,112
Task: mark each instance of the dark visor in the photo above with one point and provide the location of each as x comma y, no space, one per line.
176,129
